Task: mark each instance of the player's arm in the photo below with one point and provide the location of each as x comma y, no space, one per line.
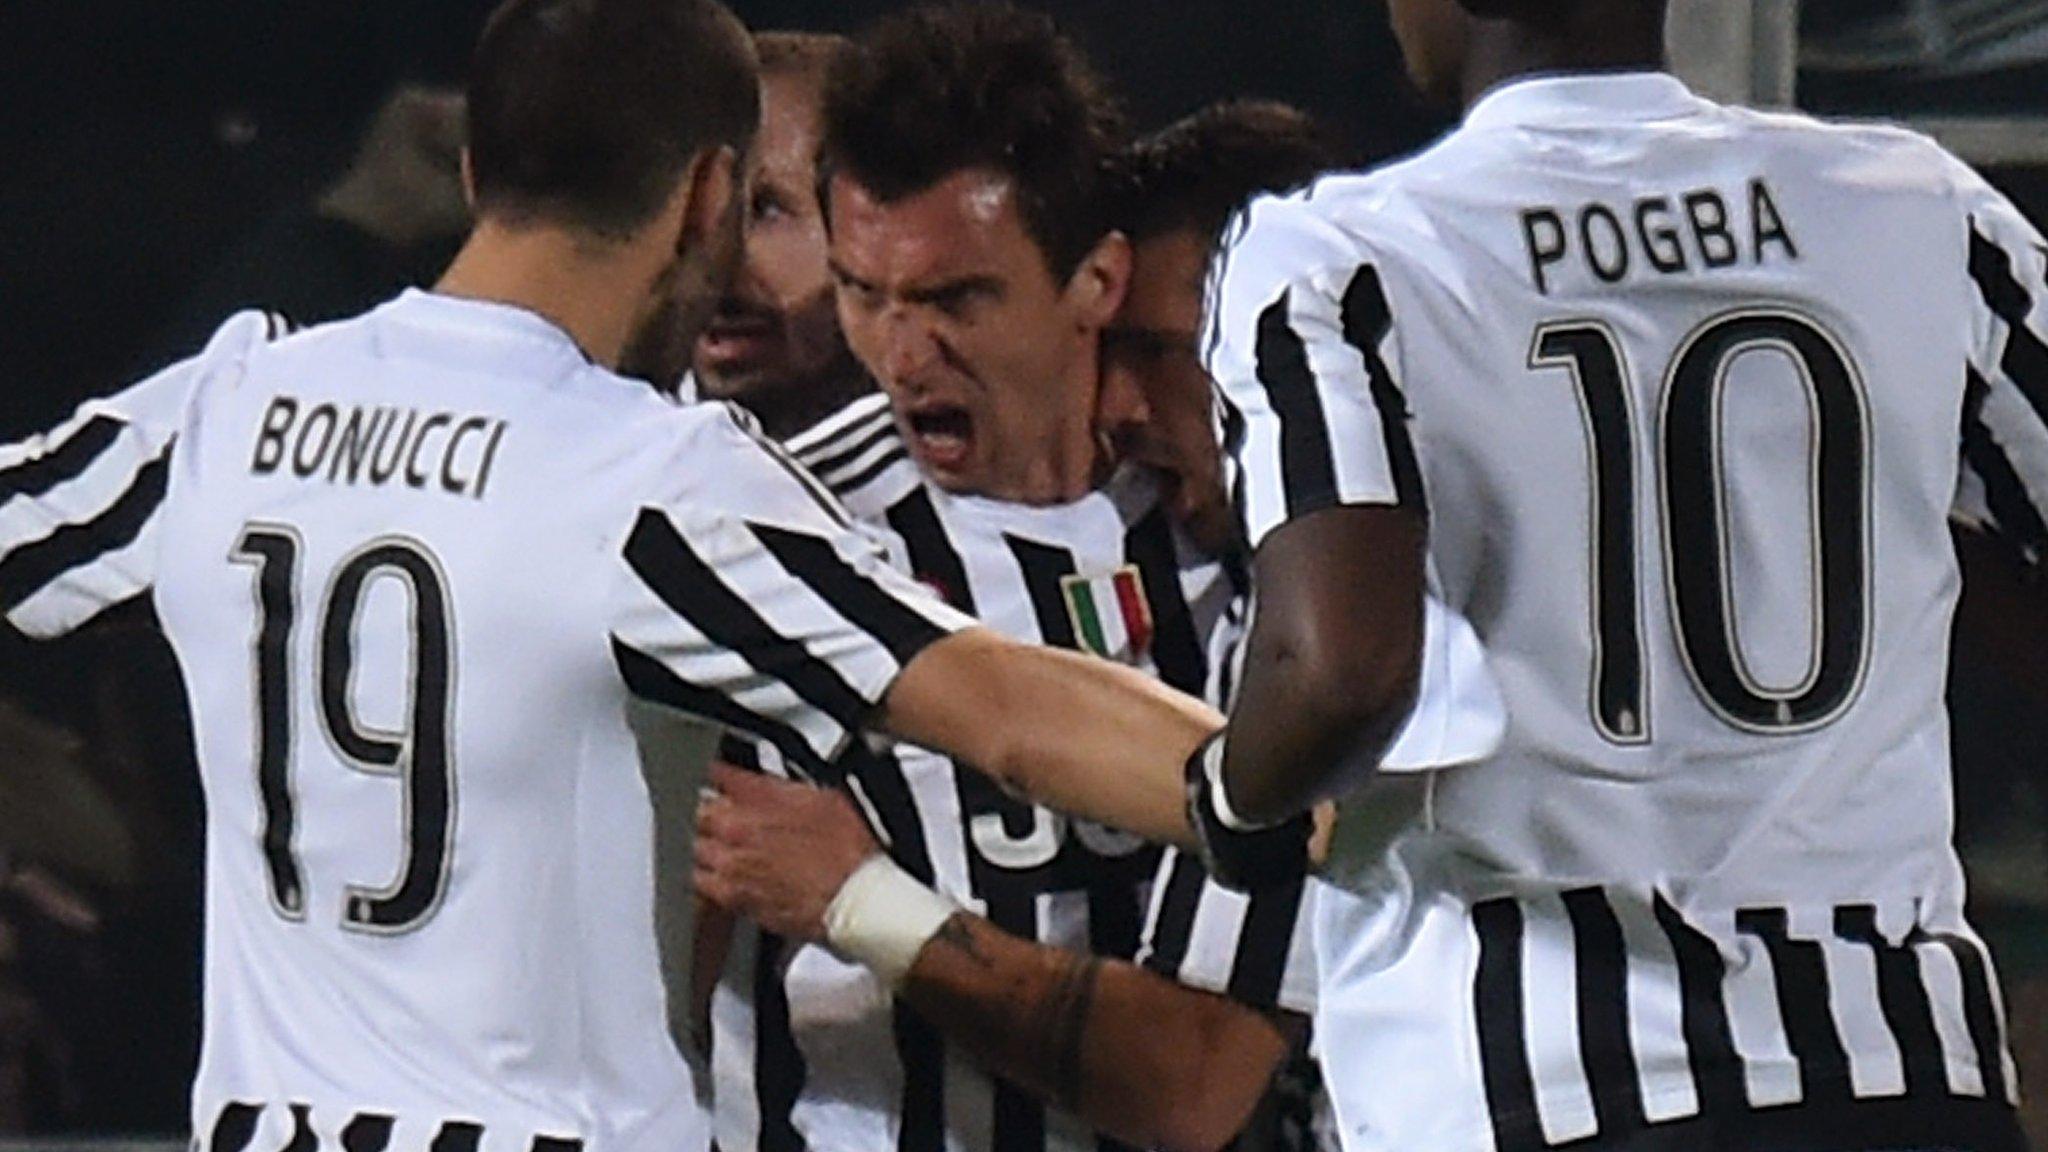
1333,661
79,503
751,602
1146,1060
1305,352
1071,732
2004,486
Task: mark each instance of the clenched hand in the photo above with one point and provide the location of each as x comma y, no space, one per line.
777,852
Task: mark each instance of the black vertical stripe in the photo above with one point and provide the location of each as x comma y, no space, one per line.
1174,927
689,585
920,1051
302,1139
1044,566
2019,519
778,1064
1980,1012
650,679
933,558
234,1128
1308,474
2026,357
1012,905
458,1136
1263,945
368,1132
1367,320
556,1144
69,461
902,630
1019,1118
1709,1036
1903,998
1497,996
1803,1002
31,568
1602,968
1176,642
1116,917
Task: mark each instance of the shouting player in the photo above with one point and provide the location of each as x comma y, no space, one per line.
1139,1057
774,345
413,566
1674,400
968,169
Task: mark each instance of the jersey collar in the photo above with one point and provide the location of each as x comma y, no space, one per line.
438,313
1583,98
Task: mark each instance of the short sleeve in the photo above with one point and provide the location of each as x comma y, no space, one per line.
80,504
747,598
2004,486
1257,950
1302,343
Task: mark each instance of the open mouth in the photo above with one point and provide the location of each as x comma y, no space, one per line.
734,334
942,435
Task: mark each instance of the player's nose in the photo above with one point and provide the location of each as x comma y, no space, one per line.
909,347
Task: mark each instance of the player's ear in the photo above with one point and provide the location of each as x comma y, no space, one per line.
708,192
1101,281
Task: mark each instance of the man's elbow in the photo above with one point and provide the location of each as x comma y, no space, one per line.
1356,697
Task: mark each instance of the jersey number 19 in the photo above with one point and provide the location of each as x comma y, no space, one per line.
420,755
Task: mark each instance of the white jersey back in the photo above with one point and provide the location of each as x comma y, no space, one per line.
1689,394
411,565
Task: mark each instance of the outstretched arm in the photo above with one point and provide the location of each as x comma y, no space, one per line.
1073,733
1137,1056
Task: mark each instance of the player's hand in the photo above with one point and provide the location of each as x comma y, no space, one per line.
777,852
1252,860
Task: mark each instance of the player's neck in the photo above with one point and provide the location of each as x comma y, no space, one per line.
587,292
1597,38
1070,464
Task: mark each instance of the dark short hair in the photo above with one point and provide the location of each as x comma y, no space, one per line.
587,112
1195,172
942,89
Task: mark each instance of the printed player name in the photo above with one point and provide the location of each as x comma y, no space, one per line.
348,444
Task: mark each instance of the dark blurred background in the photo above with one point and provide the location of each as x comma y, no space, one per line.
165,163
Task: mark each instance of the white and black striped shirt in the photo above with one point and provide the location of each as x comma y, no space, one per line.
1689,395
412,564
811,1053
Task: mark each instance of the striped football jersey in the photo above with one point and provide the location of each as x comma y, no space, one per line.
1689,395
811,1052
413,566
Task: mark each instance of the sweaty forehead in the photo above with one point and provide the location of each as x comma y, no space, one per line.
967,225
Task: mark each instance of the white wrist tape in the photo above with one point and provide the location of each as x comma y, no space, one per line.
882,918
1219,798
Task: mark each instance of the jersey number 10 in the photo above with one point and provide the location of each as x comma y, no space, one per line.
1695,525
420,756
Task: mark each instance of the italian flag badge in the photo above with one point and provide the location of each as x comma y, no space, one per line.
1110,613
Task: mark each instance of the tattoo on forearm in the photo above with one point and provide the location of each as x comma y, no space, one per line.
958,934
1066,1017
